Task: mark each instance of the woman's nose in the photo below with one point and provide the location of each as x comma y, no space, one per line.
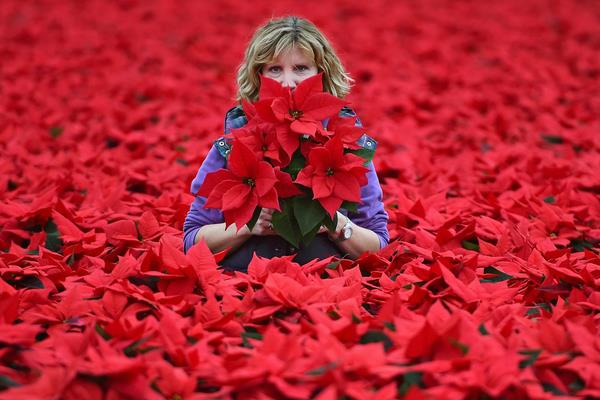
289,80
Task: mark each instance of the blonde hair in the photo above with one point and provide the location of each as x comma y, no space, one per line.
276,37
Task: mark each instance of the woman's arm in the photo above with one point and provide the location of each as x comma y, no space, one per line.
218,237
198,216
361,240
370,213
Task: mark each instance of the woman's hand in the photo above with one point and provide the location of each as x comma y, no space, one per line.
360,240
264,226
341,221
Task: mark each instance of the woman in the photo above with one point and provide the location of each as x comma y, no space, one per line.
288,50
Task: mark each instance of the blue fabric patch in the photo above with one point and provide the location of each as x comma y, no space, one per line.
234,118
367,142
223,146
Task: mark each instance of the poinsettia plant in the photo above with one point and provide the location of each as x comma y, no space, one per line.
286,158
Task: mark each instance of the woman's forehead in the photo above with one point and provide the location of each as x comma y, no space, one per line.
295,52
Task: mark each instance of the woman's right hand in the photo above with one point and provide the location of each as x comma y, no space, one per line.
219,237
263,226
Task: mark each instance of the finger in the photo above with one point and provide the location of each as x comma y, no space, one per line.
265,214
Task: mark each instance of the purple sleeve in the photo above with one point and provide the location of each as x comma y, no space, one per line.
198,216
370,213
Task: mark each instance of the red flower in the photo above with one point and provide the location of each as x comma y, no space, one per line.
333,175
297,112
247,183
261,139
345,128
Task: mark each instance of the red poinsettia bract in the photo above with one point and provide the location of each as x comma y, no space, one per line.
248,182
333,176
296,112
261,138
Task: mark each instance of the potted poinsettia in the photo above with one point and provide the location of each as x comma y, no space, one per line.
287,159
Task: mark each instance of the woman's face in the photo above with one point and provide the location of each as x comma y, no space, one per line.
290,68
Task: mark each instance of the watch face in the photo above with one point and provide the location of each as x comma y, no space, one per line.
347,232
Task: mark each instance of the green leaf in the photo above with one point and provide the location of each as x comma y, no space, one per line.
6,382
133,349
333,265
321,370
464,349
350,206
409,379
27,281
41,336
499,276
334,315
250,333
11,185
580,245
533,311
390,326
296,164
329,223
373,336
549,387
306,239
53,240
100,330
150,281
577,385
285,224
553,139
483,330
550,200
367,154
254,218
137,229
532,356
55,131
309,213
472,244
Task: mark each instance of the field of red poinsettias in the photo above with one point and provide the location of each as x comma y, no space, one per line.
487,117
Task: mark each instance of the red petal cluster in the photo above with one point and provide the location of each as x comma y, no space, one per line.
261,140
278,124
486,117
333,176
247,182
297,112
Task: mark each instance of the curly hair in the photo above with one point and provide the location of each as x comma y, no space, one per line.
276,37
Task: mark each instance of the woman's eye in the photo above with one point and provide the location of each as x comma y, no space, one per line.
301,68
274,69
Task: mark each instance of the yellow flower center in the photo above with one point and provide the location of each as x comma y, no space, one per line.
296,113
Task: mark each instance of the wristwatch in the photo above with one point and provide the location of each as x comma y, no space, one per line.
346,232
